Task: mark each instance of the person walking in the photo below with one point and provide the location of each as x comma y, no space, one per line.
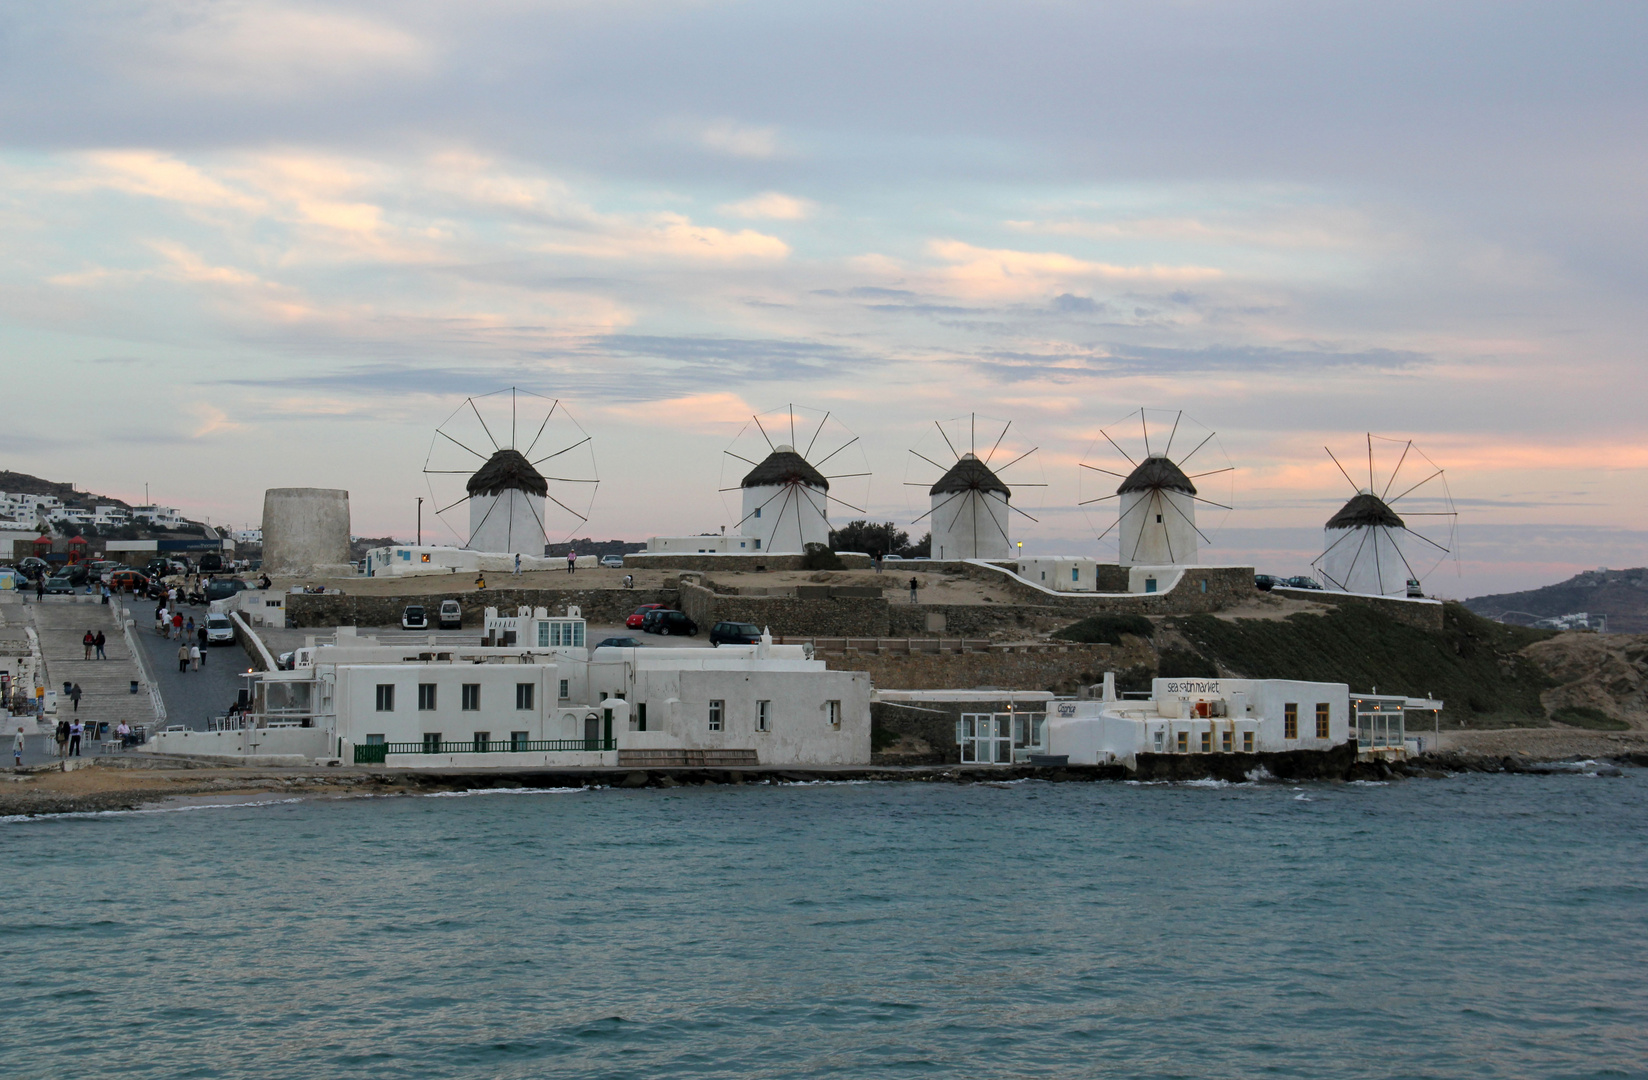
200,635
40,588
62,738
89,642
105,596
162,620
189,627
177,623
17,748
76,730
183,658
74,696
194,656
517,564
98,644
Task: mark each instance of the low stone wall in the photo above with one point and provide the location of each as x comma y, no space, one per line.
1423,614
686,560
600,606
1060,672
830,616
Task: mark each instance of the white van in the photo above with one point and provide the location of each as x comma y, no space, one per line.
451,615
219,630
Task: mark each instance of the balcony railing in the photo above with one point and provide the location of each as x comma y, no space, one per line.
375,753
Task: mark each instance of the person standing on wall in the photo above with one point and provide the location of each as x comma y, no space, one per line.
572,559
912,590
98,644
517,564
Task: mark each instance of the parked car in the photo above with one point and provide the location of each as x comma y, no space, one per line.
102,568
220,630
616,561
1416,591
33,566
223,588
164,568
414,618
1265,582
620,643
639,614
451,615
211,563
122,580
55,585
666,622
1302,583
73,573
735,633
892,558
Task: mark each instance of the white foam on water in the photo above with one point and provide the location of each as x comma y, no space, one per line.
1370,783
9,818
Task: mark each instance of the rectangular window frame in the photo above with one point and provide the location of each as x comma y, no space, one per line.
427,697
480,740
832,712
525,692
1324,717
763,716
1207,742
565,690
718,709
471,697
1290,720
1184,742
1247,742
431,742
386,697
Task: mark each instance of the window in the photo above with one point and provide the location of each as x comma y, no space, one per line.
431,742
1247,742
758,511
1290,721
717,707
832,710
481,740
386,697
763,716
640,720
1322,715
426,696
523,695
471,696
563,693
374,740
1207,742
517,740
1075,573
1184,742
758,548
1224,741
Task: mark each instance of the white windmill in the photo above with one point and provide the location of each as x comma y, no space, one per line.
1156,515
786,493
1369,547
518,495
970,504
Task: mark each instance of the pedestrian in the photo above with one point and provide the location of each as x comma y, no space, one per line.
480,580
76,730
74,696
200,635
40,588
177,623
17,748
517,564
194,656
63,738
912,590
89,642
189,627
572,559
98,644
629,581
183,658
162,620
105,596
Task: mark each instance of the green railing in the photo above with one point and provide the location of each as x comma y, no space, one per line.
375,753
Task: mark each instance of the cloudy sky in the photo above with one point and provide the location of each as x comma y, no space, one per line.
256,244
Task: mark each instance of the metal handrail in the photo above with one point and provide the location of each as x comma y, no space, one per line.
369,753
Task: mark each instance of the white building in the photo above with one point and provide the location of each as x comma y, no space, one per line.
707,544
550,704
412,560
506,506
1362,549
785,504
164,516
1157,516
249,536
1225,716
969,513
1061,573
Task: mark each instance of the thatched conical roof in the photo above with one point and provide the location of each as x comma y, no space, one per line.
508,470
969,474
1365,509
785,466
1157,473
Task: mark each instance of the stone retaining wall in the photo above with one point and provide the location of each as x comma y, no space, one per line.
686,560
1423,614
1060,672
600,606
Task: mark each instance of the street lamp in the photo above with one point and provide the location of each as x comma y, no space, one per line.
420,521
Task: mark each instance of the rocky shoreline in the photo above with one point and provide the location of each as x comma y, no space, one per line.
95,788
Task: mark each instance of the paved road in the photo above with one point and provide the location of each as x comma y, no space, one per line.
191,696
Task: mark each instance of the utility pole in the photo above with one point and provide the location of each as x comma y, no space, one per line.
420,522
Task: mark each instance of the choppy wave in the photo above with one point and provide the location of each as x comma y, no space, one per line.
503,791
11,818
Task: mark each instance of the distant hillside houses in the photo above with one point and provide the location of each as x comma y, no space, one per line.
29,510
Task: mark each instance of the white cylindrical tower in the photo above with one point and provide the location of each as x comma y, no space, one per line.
1157,514
969,513
506,506
306,531
1361,549
785,503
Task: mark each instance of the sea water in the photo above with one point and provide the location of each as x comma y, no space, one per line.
1476,926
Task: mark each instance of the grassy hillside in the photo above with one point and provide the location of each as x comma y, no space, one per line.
1473,664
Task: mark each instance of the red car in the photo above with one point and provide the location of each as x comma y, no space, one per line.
634,621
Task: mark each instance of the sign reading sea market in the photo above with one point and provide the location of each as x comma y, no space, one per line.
1194,686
